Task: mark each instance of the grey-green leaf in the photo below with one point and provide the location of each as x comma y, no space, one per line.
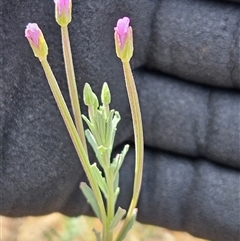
116,181
91,199
88,122
117,218
100,179
98,234
91,139
118,160
129,225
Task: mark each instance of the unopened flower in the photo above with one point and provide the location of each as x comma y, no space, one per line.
36,40
123,39
89,97
105,95
63,12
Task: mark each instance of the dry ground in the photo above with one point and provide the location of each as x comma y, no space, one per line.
56,227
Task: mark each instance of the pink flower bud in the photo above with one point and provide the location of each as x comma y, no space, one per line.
123,39
63,12
36,40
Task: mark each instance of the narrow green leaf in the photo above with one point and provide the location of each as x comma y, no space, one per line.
116,181
129,225
102,126
91,199
117,218
98,234
90,126
116,193
108,123
100,179
118,160
88,122
91,139
116,118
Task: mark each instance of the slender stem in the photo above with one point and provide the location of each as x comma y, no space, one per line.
72,86
110,208
73,134
138,138
110,200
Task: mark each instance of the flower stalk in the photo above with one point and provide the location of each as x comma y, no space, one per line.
63,15
124,50
72,86
73,133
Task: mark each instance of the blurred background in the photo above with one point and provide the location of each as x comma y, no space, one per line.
56,227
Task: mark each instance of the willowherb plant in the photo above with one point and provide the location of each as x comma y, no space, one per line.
102,124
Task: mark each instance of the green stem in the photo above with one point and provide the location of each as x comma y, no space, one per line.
110,200
138,138
73,134
72,86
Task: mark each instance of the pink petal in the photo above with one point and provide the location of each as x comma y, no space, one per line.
32,33
62,5
122,30
122,25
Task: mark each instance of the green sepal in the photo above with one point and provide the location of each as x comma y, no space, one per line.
129,225
91,199
124,53
117,218
99,179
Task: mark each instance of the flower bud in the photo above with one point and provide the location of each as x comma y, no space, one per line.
89,98
123,39
63,12
36,40
87,95
95,101
105,95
